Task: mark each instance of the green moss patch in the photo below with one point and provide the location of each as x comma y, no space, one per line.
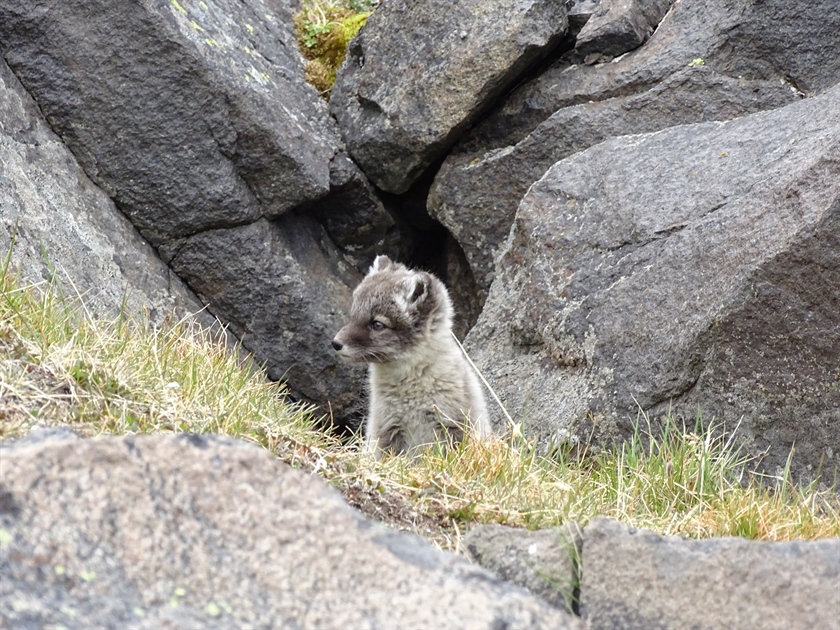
324,28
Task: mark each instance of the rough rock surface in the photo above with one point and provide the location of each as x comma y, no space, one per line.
636,579
772,40
178,114
618,26
354,218
546,561
58,224
195,531
419,72
476,195
699,266
754,56
195,118
579,12
283,297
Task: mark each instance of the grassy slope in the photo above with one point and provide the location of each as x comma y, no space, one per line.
60,365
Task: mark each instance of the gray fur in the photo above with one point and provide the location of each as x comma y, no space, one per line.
422,390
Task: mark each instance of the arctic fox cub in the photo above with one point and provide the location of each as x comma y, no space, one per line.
422,390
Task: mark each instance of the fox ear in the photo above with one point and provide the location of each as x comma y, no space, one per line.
380,263
417,288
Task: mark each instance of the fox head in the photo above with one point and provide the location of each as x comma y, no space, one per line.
394,309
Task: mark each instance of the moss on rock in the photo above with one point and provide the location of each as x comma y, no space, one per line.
323,34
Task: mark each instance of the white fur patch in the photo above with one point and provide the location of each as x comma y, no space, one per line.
402,298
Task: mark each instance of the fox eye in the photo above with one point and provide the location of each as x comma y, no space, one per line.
375,324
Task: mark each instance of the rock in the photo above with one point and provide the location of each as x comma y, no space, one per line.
195,118
638,579
695,268
579,12
354,218
618,26
772,40
476,194
546,561
285,294
197,531
419,73
57,224
464,291
722,46
629,578
190,118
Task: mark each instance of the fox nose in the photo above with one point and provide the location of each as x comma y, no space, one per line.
337,345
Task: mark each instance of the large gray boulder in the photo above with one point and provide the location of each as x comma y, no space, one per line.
195,118
475,194
57,225
709,60
420,72
636,579
693,268
190,119
195,531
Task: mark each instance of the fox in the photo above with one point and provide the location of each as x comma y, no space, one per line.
422,389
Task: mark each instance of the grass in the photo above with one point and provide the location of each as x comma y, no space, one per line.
323,29
60,365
